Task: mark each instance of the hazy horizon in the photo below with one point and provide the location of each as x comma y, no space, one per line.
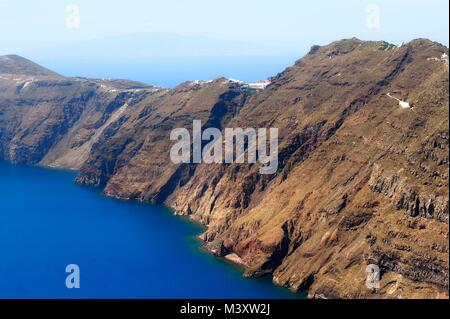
292,24
165,43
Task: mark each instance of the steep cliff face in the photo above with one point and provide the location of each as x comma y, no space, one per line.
51,120
363,162
361,179
133,158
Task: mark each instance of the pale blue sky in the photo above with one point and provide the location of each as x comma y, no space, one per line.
26,25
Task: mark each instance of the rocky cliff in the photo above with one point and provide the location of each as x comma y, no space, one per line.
362,178
51,120
133,158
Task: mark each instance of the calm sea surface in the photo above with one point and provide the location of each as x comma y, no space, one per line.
169,72
124,249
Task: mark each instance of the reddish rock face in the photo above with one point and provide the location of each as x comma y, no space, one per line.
361,180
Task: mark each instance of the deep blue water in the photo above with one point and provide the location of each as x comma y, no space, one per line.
124,249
